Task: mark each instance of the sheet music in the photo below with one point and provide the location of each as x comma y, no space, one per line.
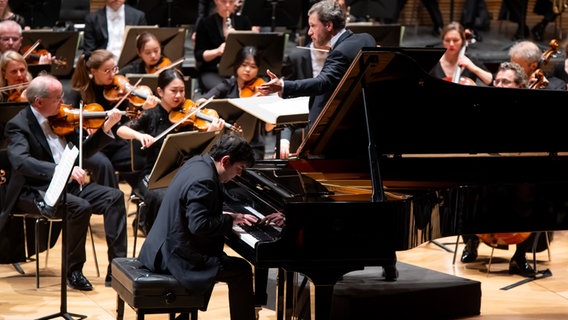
61,175
275,110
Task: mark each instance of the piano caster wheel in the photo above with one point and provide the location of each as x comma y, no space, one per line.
390,273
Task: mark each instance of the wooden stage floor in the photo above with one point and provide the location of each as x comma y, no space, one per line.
541,299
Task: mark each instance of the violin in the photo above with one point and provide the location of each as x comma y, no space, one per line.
160,65
68,119
2,176
201,120
17,96
33,56
120,87
251,89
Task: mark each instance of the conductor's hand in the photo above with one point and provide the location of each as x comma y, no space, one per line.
240,219
79,175
272,86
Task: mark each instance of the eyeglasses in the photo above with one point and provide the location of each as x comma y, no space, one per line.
108,71
7,39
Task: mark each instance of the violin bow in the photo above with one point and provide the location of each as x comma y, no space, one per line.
31,49
81,138
173,126
173,64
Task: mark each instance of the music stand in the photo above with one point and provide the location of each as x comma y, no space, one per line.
386,35
58,190
171,39
270,47
176,150
62,44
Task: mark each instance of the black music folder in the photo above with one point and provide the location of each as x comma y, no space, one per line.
61,44
270,47
176,150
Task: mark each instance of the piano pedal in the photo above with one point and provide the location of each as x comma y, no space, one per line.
390,273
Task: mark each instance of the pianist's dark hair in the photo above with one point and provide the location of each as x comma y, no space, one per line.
329,11
234,146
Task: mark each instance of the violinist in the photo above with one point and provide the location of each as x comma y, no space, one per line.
14,77
529,56
243,84
472,70
91,77
34,151
150,58
11,39
150,124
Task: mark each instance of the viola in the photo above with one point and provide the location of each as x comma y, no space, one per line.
201,120
68,119
251,89
120,87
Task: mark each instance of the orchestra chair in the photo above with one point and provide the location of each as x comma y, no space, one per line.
151,293
38,221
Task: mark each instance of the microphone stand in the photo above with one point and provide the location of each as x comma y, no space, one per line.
169,4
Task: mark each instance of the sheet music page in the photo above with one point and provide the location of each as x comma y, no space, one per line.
61,175
275,110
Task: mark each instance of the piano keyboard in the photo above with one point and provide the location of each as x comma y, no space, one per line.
257,232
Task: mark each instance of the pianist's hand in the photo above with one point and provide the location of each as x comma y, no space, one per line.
240,219
277,218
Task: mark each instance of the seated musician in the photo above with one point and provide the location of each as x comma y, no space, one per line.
14,77
210,41
188,236
454,41
150,124
509,75
92,82
529,56
11,39
242,85
150,58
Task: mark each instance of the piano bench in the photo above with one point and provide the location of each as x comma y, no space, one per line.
150,293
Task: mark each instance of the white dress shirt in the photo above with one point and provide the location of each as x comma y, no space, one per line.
116,22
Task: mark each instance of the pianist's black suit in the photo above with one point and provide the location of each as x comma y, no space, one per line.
338,61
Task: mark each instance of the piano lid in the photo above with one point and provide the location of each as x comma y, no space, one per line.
412,112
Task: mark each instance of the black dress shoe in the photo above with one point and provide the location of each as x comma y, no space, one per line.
108,280
521,267
469,253
76,280
390,273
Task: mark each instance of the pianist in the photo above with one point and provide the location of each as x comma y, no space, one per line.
188,236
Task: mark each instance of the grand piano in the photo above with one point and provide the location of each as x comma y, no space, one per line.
398,158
